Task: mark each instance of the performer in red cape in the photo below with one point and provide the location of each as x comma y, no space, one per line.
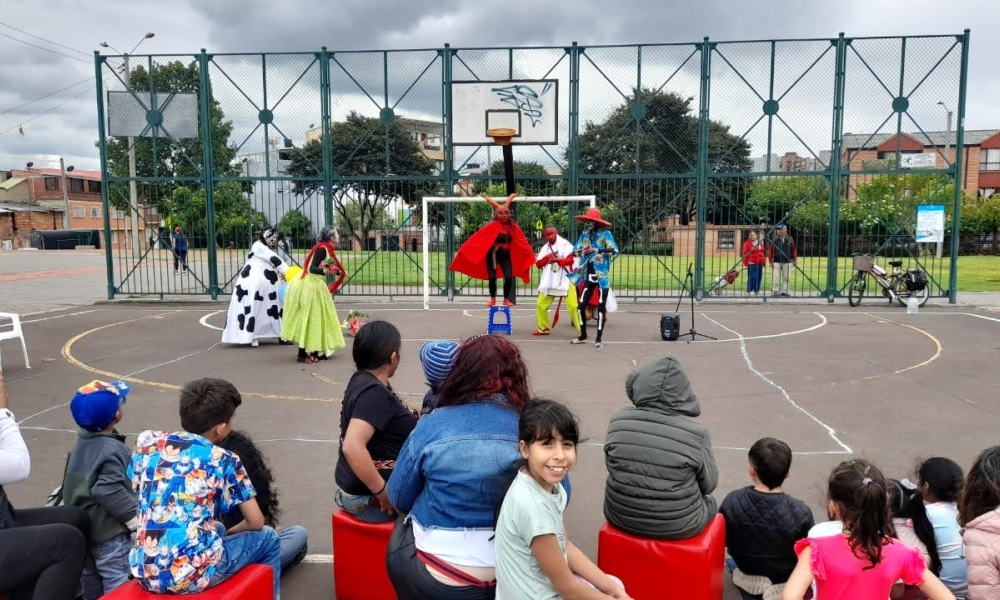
498,248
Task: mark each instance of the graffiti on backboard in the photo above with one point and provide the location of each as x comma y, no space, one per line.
525,98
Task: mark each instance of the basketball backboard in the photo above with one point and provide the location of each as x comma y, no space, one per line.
528,106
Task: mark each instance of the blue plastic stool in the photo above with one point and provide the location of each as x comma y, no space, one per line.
495,327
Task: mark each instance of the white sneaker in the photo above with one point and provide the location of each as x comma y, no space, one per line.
254,344
598,344
577,341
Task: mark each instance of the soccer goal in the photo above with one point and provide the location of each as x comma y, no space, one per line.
591,202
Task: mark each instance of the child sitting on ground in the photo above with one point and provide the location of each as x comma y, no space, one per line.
96,481
436,357
979,514
534,558
940,482
863,561
184,480
763,523
293,540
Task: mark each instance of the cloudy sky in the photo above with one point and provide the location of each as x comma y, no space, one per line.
46,83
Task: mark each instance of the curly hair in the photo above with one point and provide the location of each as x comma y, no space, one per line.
487,365
260,475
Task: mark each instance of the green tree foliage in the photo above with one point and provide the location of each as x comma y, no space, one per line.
236,221
656,133
532,179
173,157
298,228
366,155
794,200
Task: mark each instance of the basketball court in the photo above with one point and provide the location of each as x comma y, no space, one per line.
831,381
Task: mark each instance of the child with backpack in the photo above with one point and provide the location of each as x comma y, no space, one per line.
863,561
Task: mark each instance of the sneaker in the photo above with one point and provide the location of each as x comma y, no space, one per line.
541,332
508,303
598,344
492,302
579,341
176,271
254,344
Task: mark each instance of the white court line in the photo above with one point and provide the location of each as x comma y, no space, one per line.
318,559
204,321
746,356
170,362
82,312
980,316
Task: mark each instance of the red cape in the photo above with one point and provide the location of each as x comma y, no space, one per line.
471,256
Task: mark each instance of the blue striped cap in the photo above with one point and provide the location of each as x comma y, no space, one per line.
437,358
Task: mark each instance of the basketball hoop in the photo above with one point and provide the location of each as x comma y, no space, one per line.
501,135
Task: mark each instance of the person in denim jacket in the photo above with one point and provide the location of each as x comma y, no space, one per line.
451,473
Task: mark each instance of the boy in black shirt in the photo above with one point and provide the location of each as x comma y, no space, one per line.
762,522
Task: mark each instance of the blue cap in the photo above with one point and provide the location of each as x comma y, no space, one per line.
437,358
781,226
94,405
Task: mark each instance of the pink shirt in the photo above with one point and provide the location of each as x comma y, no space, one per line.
842,576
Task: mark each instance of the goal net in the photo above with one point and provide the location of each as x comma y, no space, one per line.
532,214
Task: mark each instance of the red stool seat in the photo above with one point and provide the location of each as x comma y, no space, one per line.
654,569
253,582
359,569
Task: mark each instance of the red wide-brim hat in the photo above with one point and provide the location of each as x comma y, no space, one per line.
593,214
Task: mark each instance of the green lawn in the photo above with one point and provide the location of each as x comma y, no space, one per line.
976,273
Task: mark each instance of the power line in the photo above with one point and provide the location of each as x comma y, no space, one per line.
47,41
3,112
44,48
63,103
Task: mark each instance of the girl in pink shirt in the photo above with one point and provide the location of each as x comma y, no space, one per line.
864,561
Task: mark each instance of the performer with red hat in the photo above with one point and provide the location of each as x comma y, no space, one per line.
499,247
596,249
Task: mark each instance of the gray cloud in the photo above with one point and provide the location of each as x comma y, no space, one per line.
185,26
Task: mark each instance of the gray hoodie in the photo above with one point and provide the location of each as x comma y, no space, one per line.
661,468
97,481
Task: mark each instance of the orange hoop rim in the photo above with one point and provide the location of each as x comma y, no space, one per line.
501,135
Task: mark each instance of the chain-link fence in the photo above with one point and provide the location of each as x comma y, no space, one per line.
698,153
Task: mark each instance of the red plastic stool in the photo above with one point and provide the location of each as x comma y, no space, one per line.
253,582
359,570
653,569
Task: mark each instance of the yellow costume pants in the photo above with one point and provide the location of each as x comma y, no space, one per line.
545,301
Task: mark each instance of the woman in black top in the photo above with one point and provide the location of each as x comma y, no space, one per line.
374,424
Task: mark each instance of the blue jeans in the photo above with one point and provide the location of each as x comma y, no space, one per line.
292,541
106,567
731,566
247,548
362,508
754,275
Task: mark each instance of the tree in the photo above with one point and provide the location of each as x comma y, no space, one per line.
173,157
235,218
366,156
655,133
297,227
802,202
540,183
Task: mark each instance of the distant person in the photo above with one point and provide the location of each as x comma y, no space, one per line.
979,514
763,523
753,260
661,468
782,255
180,242
436,357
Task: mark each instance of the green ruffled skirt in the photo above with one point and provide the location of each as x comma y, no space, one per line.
310,316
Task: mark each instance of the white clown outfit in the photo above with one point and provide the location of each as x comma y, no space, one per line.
556,261
255,310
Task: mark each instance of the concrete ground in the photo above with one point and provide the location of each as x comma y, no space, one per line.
832,381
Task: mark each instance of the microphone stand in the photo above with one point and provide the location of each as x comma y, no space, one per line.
689,278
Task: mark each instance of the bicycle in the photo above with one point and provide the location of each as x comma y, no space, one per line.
894,285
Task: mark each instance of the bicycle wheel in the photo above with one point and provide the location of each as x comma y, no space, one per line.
903,293
856,288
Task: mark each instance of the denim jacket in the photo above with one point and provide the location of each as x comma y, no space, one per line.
456,464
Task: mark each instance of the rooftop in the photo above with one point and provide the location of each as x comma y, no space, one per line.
973,137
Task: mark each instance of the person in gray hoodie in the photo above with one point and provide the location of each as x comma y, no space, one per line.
96,480
661,469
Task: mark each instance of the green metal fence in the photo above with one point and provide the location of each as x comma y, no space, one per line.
689,148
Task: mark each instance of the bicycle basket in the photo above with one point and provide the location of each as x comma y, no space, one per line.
863,262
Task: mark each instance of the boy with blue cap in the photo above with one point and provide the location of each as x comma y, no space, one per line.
436,357
96,481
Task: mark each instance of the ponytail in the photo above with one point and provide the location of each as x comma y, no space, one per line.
860,488
924,530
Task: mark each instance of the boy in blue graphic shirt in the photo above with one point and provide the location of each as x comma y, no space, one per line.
596,249
184,479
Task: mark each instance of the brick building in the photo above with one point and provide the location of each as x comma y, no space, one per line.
32,200
980,159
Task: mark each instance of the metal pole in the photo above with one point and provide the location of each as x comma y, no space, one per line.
836,165
133,192
956,214
947,157
65,192
102,144
701,211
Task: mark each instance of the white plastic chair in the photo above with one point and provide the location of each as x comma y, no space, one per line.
16,332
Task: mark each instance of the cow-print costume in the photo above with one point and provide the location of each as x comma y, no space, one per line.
255,310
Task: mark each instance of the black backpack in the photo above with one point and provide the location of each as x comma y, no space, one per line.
916,280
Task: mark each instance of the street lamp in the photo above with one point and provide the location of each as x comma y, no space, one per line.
133,193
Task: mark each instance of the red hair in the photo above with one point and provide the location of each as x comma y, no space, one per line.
487,365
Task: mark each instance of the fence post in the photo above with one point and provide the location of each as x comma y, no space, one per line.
324,91
208,173
833,241
573,148
701,211
956,211
449,169
102,143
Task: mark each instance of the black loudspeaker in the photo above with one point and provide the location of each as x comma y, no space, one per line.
670,326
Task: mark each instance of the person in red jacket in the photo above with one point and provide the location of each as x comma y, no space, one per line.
498,248
753,260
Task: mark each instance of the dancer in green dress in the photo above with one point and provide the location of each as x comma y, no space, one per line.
310,317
